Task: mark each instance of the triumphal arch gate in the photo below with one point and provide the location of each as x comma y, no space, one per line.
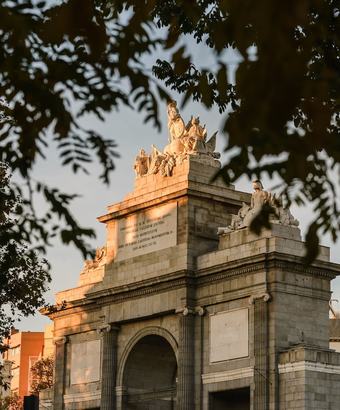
184,307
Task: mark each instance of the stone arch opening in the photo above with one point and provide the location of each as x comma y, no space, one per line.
149,376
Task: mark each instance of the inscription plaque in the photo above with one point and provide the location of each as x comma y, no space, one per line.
85,362
147,231
229,335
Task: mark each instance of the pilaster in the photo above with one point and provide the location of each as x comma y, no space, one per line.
59,372
186,363
109,335
261,370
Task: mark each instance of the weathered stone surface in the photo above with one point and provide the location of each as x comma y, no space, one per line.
85,367
229,335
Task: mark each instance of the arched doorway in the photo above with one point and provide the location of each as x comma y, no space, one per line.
149,377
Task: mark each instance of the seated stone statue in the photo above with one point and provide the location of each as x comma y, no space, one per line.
281,215
258,198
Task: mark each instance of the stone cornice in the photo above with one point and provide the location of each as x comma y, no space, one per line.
308,366
203,277
291,289
225,271
76,306
264,261
294,264
194,189
145,287
141,206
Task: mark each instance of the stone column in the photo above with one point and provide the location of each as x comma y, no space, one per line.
261,371
109,366
59,372
186,363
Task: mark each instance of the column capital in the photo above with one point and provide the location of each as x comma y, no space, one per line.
107,328
200,310
266,297
61,340
189,310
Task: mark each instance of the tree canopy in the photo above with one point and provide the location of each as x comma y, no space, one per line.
61,61
23,275
42,375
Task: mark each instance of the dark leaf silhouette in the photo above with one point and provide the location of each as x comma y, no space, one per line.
62,61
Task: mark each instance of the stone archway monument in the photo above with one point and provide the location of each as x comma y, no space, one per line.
185,308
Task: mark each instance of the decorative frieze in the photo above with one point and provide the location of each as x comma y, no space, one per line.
228,375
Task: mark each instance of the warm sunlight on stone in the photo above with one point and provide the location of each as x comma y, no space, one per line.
175,312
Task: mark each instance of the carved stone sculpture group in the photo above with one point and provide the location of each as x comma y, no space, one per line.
98,260
247,213
184,140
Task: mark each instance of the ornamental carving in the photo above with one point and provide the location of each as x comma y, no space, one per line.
184,141
98,260
260,197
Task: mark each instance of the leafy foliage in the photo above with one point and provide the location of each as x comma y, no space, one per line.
57,64
11,402
23,276
62,61
42,375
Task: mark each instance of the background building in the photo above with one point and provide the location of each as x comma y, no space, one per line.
24,350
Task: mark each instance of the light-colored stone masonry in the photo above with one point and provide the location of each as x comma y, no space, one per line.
167,298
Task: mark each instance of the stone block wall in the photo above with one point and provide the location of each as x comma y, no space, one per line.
309,379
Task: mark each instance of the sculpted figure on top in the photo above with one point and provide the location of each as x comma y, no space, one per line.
184,140
98,260
247,213
175,122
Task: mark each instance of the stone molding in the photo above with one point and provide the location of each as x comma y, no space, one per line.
188,188
229,269
80,397
308,366
145,287
300,291
176,280
227,375
121,390
310,270
265,261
